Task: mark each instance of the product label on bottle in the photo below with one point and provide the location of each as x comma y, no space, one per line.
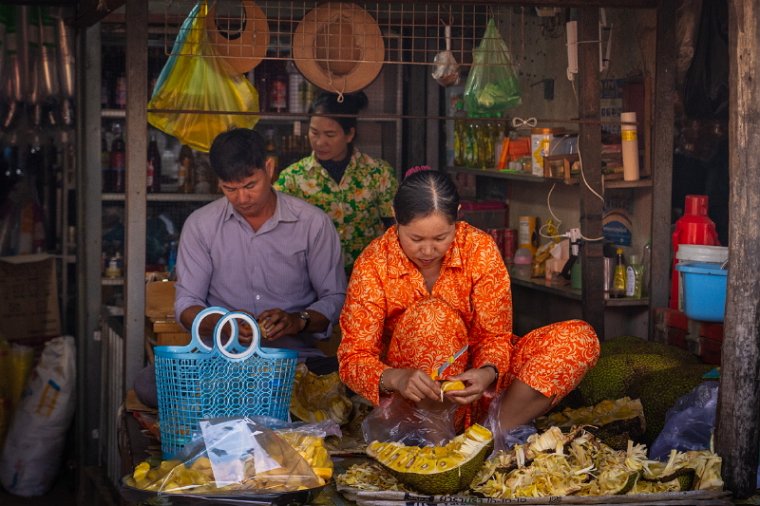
628,135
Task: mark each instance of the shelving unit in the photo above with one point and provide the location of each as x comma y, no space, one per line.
388,125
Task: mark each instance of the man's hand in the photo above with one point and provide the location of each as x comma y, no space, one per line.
276,323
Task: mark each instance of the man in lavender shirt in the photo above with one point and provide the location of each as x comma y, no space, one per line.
261,251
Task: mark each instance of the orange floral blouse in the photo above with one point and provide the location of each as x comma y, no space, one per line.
384,283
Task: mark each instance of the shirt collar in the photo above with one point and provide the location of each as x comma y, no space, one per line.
283,211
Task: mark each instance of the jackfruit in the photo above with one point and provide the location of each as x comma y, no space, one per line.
450,386
660,389
436,470
319,398
312,449
614,422
632,345
614,375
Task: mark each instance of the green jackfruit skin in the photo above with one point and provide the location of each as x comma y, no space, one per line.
632,345
447,482
614,375
659,390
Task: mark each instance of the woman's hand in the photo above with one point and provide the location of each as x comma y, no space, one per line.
476,382
411,384
276,323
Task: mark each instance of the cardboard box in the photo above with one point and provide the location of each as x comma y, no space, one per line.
29,297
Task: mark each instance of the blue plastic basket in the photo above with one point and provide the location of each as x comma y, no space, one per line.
197,381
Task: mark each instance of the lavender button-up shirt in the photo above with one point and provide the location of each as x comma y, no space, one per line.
292,263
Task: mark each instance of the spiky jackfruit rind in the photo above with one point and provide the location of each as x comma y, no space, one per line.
629,483
431,481
685,477
632,345
614,422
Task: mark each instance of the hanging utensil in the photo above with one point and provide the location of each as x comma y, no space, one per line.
446,71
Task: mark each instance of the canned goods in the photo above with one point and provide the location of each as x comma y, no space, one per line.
498,237
510,245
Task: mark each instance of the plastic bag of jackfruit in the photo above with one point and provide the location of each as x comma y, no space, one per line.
234,456
398,420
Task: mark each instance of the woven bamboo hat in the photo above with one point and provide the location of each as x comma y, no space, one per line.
241,38
338,47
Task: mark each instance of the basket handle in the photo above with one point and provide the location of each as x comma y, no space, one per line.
226,350
195,337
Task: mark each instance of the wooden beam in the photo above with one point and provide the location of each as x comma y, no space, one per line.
662,172
136,183
738,419
590,139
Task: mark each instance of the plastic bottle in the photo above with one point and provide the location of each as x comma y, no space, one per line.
295,89
633,278
618,278
153,176
185,171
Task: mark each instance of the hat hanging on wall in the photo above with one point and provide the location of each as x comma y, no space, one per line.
339,47
241,39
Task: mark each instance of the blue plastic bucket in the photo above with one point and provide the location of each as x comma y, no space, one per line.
704,291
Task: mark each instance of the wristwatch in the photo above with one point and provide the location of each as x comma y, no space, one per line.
306,317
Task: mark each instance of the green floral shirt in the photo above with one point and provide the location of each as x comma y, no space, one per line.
356,205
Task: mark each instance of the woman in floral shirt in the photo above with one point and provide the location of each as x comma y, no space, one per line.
432,285
353,188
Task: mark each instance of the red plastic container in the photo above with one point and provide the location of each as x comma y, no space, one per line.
694,227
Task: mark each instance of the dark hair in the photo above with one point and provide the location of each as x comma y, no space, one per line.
344,112
424,192
236,154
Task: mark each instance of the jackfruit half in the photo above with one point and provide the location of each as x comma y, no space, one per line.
436,470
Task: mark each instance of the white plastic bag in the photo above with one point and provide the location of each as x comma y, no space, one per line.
32,453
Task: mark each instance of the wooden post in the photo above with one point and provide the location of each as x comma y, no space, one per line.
590,138
736,434
662,171
135,199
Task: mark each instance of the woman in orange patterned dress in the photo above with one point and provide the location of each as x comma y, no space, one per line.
431,285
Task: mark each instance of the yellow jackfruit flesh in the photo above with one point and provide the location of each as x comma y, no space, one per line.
436,470
319,398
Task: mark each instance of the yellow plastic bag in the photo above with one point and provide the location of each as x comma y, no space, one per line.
194,80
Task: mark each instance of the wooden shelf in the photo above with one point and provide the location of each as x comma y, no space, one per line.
541,285
166,197
530,178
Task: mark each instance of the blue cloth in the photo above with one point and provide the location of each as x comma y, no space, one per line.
293,262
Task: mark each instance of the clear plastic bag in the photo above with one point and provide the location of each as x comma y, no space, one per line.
492,86
399,420
319,397
232,455
504,440
194,82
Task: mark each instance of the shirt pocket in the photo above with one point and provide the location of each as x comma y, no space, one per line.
287,275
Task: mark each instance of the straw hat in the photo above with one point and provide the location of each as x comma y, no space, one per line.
338,47
245,49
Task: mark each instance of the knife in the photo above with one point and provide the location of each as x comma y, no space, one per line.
445,365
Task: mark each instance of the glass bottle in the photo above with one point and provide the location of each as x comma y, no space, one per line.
460,134
633,278
618,278
153,176
278,89
185,171
270,150
118,159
